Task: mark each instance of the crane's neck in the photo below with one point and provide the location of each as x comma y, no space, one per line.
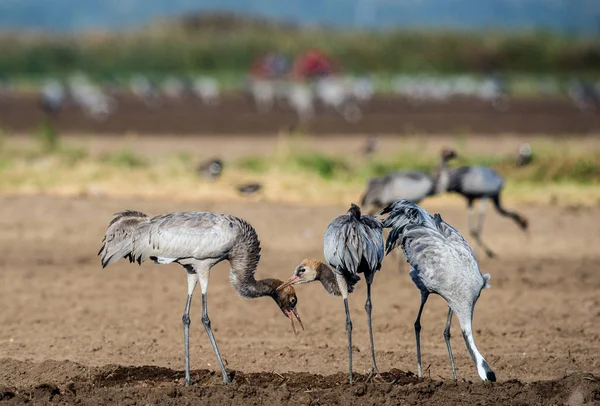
326,276
443,177
243,260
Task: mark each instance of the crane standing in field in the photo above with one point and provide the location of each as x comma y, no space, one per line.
412,185
197,241
477,183
211,169
353,244
441,262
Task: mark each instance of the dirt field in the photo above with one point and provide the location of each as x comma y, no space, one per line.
72,332
383,115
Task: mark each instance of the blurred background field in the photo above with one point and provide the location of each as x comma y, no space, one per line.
282,113
293,167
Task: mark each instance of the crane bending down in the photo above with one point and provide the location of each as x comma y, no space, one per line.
197,241
441,262
478,183
353,244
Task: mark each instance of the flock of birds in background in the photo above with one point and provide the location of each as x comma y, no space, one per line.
441,261
344,95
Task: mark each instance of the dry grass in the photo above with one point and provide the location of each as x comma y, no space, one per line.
293,170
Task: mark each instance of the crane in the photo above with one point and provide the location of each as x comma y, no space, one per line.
443,263
410,184
211,169
353,244
197,241
477,183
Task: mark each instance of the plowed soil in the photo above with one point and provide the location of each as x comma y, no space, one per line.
71,332
238,115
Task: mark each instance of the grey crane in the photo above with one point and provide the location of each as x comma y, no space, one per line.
353,244
197,241
249,189
441,262
525,155
412,185
211,169
477,183
370,146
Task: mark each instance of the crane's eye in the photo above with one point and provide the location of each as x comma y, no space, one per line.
300,271
293,301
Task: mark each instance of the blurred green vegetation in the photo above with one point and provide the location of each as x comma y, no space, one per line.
124,158
547,166
557,172
188,48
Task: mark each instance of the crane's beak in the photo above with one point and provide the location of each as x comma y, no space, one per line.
294,279
293,312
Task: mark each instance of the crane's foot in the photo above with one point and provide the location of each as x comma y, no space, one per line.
188,382
375,376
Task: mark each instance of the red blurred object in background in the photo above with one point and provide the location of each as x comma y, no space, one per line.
314,64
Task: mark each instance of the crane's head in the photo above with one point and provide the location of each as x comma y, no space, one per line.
448,154
307,271
286,300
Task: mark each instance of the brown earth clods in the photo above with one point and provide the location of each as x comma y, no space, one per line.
236,114
73,333
72,383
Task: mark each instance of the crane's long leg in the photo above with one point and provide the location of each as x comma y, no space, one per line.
343,286
475,228
368,308
447,338
424,296
349,331
516,217
192,278
203,276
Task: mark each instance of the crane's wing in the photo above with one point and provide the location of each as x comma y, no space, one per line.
182,235
118,239
371,232
402,214
453,237
348,240
341,245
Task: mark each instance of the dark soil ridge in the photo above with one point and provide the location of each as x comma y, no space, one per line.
65,382
383,115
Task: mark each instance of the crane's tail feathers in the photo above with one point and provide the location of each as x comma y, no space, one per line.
118,240
385,210
402,214
486,279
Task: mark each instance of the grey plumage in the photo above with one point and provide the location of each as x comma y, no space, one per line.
353,244
443,263
250,188
411,185
211,169
525,155
478,183
197,241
